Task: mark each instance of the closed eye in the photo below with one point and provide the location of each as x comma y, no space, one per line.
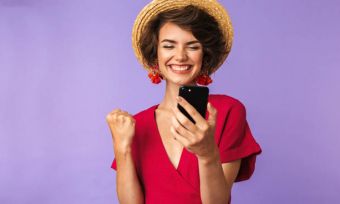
195,48
168,46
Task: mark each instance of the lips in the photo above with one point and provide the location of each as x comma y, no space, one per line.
180,69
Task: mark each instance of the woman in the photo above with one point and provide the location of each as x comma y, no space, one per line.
160,155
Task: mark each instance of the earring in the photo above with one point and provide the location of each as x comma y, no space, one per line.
204,79
154,75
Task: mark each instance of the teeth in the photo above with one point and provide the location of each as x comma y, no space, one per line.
180,67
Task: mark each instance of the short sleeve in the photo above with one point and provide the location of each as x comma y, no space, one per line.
237,142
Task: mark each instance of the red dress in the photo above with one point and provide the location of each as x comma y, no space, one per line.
162,182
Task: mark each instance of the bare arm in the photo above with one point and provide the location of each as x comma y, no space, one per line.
122,126
128,186
216,180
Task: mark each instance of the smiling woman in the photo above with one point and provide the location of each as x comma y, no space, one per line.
160,155
192,21
179,55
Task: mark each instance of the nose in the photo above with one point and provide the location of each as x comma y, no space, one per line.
181,55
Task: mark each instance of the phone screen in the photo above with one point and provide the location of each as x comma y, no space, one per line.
197,96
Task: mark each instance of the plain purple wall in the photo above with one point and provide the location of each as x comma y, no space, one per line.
65,64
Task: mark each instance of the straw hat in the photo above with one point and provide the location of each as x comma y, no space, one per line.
212,7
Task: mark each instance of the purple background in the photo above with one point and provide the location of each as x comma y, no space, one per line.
65,64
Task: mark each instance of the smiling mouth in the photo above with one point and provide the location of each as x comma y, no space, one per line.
180,69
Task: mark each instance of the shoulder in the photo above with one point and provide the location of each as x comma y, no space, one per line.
144,113
225,102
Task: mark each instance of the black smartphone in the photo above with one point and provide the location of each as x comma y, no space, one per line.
197,96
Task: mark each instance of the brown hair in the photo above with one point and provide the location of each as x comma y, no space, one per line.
203,26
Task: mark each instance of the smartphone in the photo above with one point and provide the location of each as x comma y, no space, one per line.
197,96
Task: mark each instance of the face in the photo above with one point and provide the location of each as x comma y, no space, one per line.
179,55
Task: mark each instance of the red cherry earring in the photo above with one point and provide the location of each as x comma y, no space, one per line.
204,79
154,75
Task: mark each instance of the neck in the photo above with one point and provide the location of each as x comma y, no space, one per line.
171,92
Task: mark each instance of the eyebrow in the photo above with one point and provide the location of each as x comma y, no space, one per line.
173,41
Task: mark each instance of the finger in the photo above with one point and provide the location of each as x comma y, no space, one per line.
183,120
130,117
120,112
116,111
121,117
212,114
125,117
184,141
109,115
180,129
124,113
191,110
118,116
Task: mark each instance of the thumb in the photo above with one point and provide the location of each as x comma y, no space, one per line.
212,114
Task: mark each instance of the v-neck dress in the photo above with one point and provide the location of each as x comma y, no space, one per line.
162,182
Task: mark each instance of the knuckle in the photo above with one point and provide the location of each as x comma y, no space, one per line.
186,122
108,117
198,137
115,117
192,143
214,110
205,127
192,113
116,110
131,120
176,126
201,137
121,117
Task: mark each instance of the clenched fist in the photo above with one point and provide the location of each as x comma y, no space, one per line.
122,126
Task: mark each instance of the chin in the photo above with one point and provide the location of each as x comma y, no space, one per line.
184,83
178,80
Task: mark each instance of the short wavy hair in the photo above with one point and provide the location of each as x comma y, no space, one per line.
191,18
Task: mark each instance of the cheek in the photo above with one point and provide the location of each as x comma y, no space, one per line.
163,55
197,57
